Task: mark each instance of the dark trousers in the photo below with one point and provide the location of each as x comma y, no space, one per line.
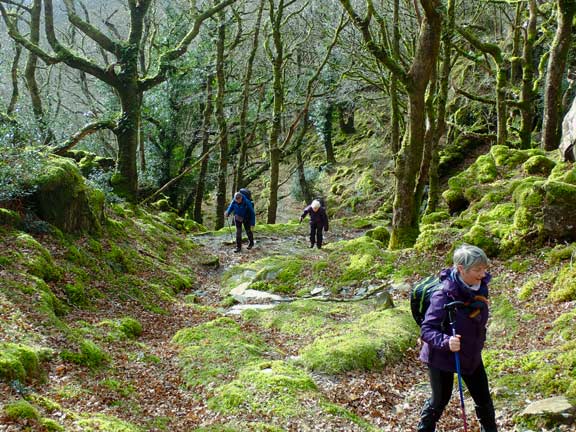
442,383
248,230
316,234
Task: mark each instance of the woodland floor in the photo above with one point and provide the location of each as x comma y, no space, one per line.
390,399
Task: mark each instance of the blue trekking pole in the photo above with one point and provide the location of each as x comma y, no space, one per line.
451,307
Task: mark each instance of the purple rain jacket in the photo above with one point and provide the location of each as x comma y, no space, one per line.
435,349
318,218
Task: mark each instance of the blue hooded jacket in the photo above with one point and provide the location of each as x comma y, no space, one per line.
245,209
472,327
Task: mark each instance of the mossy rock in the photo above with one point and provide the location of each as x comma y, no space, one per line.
564,172
375,340
379,233
20,362
215,350
106,423
508,157
63,199
480,236
38,260
269,386
91,162
435,217
21,409
10,218
455,200
89,354
538,165
564,289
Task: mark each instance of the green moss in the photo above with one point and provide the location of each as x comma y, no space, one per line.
480,236
76,295
265,387
564,288
38,260
538,165
527,289
89,354
376,339
565,326
240,427
435,237
307,317
131,327
19,362
561,253
9,217
563,172
21,410
106,423
215,350
50,425
379,233
508,157
122,389
435,217
504,320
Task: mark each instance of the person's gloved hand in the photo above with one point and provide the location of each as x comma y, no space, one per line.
225,214
301,219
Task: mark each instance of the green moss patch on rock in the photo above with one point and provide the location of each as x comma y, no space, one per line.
308,317
20,362
270,386
538,165
37,258
214,351
376,339
88,354
21,410
63,199
564,289
106,423
9,217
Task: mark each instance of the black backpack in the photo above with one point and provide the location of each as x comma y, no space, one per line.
246,193
420,297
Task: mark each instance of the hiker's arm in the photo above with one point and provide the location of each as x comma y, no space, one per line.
431,329
229,209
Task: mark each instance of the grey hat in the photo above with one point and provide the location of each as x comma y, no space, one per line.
238,196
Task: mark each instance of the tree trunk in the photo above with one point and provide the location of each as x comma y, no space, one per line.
327,134
556,68
527,92
243,138
405,220
442,100
125,179
221,196
394,102
276,17
14,76
199,195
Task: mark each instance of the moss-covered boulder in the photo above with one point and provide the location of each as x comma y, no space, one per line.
63,199
376,339
20,362
538,165
565,285
379,233
9,217
545,210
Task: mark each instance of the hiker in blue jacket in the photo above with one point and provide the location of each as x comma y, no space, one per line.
244,215
467,281
318,222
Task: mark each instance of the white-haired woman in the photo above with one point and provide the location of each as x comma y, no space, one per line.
318,222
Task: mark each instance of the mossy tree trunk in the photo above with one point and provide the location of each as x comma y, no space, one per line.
441,102
551,127
244,139
394,91
221,196
502,69
327,133
122,74
415,81
206,115
277,58
528,92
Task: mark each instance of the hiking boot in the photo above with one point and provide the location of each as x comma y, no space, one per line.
237,250
251,245
311,245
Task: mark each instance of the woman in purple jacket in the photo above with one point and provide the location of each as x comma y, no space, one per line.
467,281
318,222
